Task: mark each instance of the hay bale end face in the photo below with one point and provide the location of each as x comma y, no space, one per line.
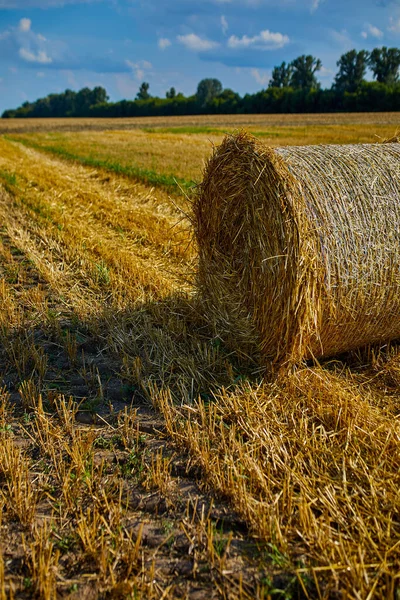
299,247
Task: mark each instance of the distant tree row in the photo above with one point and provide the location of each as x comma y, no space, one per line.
300,73
293,88
67,104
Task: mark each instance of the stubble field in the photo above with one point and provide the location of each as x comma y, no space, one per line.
139,457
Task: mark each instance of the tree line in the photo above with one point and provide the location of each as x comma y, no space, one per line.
293,88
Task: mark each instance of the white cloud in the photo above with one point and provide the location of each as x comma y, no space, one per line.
142,64
324,72
163,43
22,43
40,74
139,68
41,56
261,78
224,24
24,24
70,77
394,25
371,31
265,40
196,43
341,37
314,5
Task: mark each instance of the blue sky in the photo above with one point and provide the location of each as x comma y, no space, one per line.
50,45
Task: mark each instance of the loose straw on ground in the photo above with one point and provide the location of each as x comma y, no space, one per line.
299,247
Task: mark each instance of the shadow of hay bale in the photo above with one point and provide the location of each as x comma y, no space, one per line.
299,247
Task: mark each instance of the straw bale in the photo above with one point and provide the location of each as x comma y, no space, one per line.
299,246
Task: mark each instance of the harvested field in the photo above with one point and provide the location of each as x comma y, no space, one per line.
139,456
159,155
231,121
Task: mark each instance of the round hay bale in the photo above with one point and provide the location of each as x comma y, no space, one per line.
299,247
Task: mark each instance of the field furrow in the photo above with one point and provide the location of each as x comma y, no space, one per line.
90,275
112,233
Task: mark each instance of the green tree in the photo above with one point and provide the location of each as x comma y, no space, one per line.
303,75
143,93
226,102
99,95
171,93
352,68
83,101
384,63
207,90
281,76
